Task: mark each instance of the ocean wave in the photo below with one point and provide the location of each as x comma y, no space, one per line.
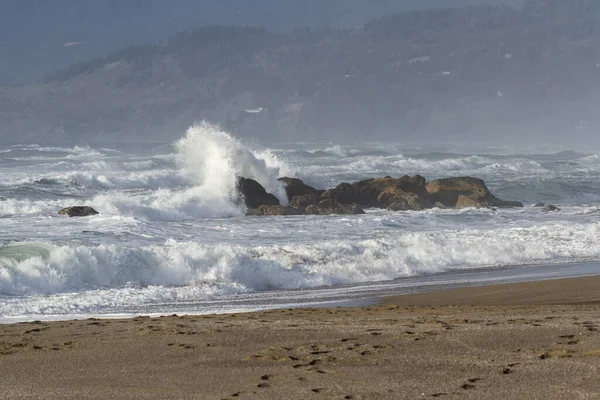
550,189
33,268
197,181
12,206
214,159
167,205
376,166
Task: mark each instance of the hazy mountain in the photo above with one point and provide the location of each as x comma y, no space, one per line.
498,74
40,36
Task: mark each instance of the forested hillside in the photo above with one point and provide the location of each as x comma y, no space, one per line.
40,36
530,72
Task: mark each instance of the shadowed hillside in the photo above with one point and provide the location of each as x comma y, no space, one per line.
526,73
41,36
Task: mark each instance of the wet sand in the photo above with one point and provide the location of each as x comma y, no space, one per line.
537,340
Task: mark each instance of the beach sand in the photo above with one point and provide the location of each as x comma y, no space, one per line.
538,340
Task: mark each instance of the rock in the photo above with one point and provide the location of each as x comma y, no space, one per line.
403,201
295,187
254,194
540,205
270,210
465,192
550,208
307,204
304,200
395,199
397,194
78,211
328,207
380,192
342,193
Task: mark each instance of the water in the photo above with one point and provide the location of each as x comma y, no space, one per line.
170,238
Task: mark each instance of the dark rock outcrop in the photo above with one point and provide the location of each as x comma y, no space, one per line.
78,211
304,200
295,187
381,192
254,194
465,192
328,207
323,207
342,193
404,201
396,194
266,210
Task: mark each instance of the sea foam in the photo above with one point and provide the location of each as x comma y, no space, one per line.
197,181
39,268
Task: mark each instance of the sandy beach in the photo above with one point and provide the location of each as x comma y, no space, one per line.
537,340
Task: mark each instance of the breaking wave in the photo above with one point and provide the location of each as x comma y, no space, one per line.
197,181
38,268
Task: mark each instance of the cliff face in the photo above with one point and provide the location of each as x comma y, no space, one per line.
457,73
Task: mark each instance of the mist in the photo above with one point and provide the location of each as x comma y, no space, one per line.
493,73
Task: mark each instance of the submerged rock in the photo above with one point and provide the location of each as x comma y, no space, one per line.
550,208
465,192
254,194
78,211
540,205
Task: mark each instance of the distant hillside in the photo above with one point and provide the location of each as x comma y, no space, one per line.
41,36
520,74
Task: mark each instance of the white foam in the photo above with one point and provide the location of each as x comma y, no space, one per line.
214,159
237,268
122,258
11,206
198,181
209,162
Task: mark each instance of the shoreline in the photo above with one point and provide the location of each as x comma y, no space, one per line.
360,295
557,291
523,340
